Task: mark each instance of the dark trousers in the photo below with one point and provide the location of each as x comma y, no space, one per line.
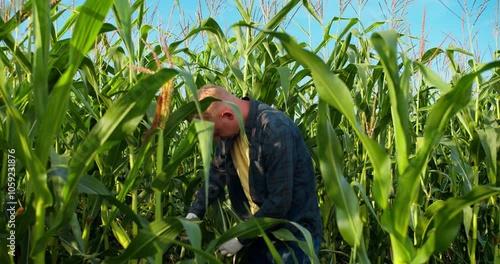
290,252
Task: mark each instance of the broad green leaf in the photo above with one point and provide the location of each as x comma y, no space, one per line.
432,78
333,91
42,27
123,13
489,141
467,222
77,233
144,37
146,243
285,76
92,185
272,24
155,238
308,248
374,26
205,133
450,52
122,116
430,54
341,55
447,221
445,108
183,113
449,104
193,232
130,105
385,43
120,234
88,25
461,165
183,149
37,172
424,222
311,10
346,201
70,21
246,15
249,229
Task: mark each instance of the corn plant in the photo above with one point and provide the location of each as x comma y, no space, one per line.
107,160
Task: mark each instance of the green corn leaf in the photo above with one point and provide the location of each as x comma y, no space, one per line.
385,43
144,37
149,240
17,52
272,25
183,150
205,133
311,10
121,118
42,27
449,105
120,234
374,26
397,219
249,229
346,201
334,92
461,166
450,52
193,232
91,185
430,54
70,21
489,141
285,76
123,13
246,15
183,113
36,169
306,246
77,233
156,237
447,220
87,27
432,78
123,113
424,222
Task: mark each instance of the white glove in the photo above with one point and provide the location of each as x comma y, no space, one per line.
230,247
183,236
191,216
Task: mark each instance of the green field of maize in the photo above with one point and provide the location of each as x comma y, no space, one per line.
99,160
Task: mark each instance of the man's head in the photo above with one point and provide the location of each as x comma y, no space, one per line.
222,114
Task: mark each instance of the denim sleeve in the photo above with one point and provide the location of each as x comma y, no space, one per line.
218,179
278,159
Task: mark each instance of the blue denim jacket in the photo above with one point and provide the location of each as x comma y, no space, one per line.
281,174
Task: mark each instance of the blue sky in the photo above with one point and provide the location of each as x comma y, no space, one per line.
443,18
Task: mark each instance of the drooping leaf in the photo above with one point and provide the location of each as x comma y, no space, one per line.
333,91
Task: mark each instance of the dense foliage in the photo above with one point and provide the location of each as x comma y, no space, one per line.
97,141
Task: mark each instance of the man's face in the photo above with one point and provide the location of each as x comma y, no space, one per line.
225,126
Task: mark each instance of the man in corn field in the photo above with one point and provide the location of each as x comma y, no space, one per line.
268,171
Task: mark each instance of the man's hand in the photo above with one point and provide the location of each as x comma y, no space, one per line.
191,216
230,248
183,236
